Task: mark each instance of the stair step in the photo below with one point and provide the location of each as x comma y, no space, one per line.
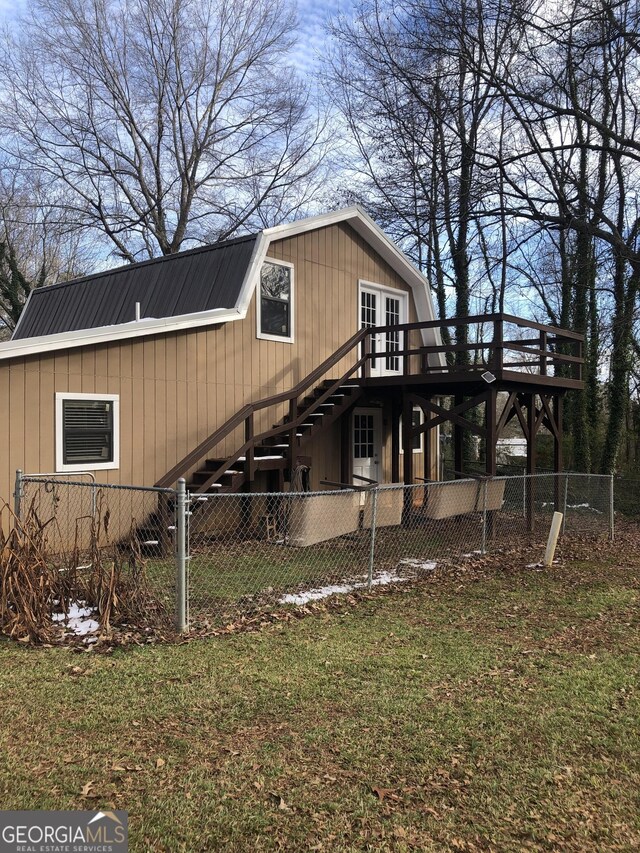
259,458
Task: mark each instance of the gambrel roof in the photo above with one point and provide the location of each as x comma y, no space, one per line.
200,287
203,279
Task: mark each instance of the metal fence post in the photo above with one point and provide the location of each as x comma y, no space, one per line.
611,508
181,556
17,495
484,516
564,504
372,543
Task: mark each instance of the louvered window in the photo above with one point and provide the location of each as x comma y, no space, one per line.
88,431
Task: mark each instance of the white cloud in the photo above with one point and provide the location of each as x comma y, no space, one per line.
307,55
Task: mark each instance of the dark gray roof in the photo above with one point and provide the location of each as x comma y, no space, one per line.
196,280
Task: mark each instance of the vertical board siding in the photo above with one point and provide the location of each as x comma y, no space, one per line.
176,389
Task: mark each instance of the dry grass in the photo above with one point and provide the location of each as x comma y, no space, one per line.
34,584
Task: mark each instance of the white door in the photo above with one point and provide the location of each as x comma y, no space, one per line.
366,443
381,306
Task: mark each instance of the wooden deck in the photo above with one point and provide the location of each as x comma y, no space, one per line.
534,363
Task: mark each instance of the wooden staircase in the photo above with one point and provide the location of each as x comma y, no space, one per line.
314,404
275,452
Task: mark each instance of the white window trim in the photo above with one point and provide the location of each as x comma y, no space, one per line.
263,336
415,449
403,295
92,466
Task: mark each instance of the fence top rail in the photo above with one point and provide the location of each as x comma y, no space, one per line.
39,478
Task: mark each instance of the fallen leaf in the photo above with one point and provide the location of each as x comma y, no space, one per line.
160,762
86,790
381,793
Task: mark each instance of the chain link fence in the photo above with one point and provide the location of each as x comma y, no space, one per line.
210,557
133,529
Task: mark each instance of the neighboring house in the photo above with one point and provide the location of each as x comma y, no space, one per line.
178,366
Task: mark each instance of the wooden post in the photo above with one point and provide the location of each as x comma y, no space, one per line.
248,436
491,436
407,420
498,344
407,451
543,357
458,462
491,439
366,371
346,448
293,414
557,454
428,453
395,441
531,461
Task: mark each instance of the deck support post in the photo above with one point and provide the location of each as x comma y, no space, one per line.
491,432
250,459
293,414
491,439
458,438
407,454
395,440
531,461
428,450
557,454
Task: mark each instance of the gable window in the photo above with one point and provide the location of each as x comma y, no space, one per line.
87,432
275,301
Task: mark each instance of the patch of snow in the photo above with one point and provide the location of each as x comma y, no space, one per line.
422,565
301,598
78,619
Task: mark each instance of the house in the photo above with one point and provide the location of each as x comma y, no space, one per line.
311,346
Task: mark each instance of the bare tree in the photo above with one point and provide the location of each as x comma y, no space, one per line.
167,120
573,166
37,246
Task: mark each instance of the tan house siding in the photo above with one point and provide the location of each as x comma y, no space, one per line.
176,388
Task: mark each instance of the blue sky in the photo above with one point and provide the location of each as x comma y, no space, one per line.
312,16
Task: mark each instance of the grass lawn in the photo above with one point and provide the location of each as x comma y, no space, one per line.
481,709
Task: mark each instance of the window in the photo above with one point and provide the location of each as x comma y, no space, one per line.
416,441
275,302
87,432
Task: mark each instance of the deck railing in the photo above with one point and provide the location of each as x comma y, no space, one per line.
493,345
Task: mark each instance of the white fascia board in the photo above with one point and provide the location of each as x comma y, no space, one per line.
20,318
123,331
252,275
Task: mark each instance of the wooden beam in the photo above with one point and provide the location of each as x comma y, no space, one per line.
531,460
507,414
524,424
557,453
491,432
395,440
407,420
443,415
458,459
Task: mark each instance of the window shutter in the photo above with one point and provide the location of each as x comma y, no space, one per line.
87,431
